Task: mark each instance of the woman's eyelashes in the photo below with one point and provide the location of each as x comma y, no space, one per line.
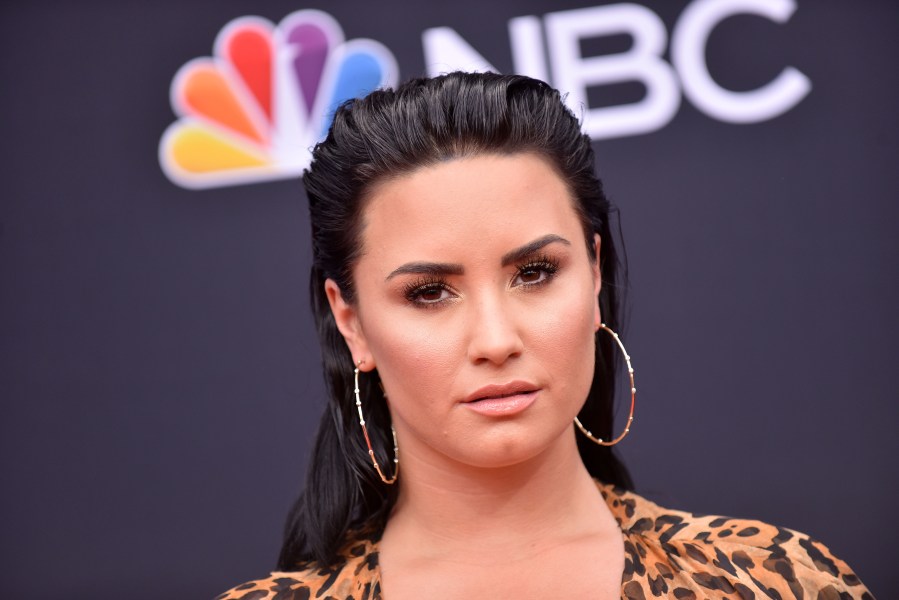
432,291
535,272
427,292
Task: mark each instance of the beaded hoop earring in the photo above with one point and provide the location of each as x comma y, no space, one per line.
371,452
630,418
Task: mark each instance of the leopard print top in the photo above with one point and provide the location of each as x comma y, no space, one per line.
668,553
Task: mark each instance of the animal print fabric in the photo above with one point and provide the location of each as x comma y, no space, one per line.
668,554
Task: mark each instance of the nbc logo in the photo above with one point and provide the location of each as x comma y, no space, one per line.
253,110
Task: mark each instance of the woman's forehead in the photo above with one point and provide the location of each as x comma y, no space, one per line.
470,198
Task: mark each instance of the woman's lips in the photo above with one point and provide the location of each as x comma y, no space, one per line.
502,400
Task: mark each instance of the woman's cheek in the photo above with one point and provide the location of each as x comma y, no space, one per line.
414,356
566,324
564,339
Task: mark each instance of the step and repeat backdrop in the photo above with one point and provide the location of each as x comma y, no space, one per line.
160,373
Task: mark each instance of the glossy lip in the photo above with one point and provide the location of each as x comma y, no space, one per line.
500,400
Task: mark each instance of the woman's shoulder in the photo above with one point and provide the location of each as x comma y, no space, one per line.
688,555
354,575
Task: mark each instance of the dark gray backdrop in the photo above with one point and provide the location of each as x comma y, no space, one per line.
160,375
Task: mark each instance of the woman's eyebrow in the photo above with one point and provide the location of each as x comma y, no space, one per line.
513,256
426,268
531,247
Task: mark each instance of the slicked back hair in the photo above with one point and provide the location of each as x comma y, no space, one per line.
389,133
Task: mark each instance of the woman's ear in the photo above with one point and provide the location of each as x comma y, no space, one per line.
347,318
597,280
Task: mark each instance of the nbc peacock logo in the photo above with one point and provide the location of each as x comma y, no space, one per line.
253,111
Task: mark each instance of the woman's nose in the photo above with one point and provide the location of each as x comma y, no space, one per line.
494,332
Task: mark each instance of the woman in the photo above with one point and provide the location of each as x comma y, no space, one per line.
466,289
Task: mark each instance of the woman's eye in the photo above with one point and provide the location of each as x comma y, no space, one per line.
531,275
534,274
430,294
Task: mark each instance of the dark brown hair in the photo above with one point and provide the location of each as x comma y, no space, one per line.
385,134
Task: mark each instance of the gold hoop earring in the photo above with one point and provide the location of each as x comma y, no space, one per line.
371,452
630,417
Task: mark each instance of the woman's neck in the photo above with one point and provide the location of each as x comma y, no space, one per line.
449,511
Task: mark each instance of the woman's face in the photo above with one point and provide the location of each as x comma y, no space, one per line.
477,303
